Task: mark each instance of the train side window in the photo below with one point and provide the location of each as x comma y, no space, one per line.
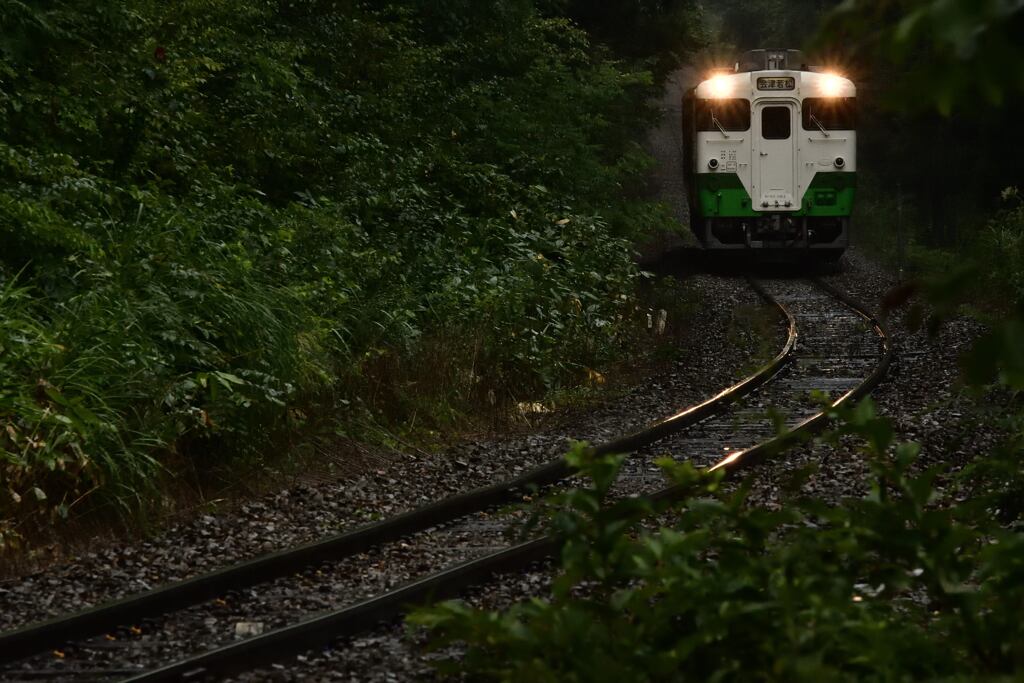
775,123
832,113
732,114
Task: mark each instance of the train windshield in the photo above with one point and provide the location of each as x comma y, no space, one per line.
731,114
830,113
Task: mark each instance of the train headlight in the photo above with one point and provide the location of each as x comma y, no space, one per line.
840,162
720,86
832,85
713,164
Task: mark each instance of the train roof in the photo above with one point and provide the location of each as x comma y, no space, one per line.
771,59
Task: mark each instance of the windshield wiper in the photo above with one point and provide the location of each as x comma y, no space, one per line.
714,120
819,125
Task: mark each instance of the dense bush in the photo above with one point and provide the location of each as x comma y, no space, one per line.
222,218
662,32
907,583
989,259
1001,248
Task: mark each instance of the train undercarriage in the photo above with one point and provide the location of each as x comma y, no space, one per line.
822,238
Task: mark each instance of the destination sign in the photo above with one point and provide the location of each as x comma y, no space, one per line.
776,83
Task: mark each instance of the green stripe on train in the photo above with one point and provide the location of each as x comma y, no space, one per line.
722,194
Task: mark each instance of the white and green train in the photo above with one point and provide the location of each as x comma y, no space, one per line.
770,157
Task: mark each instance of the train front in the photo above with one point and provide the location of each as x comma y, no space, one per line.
771,161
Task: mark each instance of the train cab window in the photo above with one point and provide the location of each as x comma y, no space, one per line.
732,114
775,123
830,113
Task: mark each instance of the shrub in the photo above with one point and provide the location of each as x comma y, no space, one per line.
903,584
1002,246
224,219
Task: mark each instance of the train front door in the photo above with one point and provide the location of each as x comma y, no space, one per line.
774,157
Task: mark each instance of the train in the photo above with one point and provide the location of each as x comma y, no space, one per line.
770,158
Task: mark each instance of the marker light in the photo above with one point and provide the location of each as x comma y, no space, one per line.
720,86
831,85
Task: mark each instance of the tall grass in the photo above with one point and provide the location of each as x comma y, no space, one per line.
992,244
1001,247
266,215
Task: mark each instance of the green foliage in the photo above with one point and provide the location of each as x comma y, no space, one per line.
986,268
936,70
953,53
754,24
221,219
899,585
662,31
1001,245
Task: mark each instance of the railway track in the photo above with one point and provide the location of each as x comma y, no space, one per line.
355,580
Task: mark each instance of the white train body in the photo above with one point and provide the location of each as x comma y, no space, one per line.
772,158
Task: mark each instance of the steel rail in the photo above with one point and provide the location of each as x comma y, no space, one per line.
324,629
21,643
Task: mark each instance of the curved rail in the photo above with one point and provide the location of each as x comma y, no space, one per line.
818,421
320,631
21,643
